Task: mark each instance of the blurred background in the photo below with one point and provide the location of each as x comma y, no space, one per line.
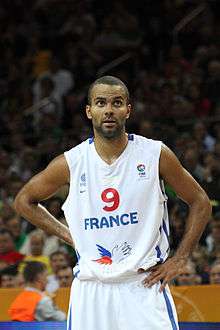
168,54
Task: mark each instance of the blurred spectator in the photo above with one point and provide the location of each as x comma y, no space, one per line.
36,251
213,82
211,180
192,164
8,277
214,274
58,80
203,138
50,245
3,264
32,304
188,276
213,239
200,258
7,248
13,224
177,222
19,280
58,260
65,277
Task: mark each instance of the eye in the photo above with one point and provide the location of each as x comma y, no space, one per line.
118,103
100,103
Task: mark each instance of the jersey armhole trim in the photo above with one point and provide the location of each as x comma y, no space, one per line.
160,181
70,166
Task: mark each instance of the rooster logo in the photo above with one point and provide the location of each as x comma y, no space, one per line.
119,252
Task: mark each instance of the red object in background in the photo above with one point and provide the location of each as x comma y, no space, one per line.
12,257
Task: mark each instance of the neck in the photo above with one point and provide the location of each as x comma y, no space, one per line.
34,285
110,149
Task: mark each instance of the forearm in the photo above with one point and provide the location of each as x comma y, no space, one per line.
46,311
40,217
199,215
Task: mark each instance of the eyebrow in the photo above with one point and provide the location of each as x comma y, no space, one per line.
104,98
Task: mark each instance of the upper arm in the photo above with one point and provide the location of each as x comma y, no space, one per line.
179,178
46,183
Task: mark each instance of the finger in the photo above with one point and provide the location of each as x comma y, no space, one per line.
153,268
148,283
163,285
141,270
153,274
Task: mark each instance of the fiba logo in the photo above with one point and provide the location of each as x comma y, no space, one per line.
141,170
83,180
83,177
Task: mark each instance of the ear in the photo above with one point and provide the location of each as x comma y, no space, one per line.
129,108
88,112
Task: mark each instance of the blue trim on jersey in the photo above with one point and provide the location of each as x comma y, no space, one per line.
165,230
91,140
158,253
76,273
170,311
70,318
77,255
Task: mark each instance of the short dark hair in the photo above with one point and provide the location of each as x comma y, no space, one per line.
57,253
64,268
32,270
108,80
6,231
10,270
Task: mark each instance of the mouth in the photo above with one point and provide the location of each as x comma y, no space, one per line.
109,123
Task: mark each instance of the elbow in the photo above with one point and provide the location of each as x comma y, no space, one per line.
205,204
17,204
20,203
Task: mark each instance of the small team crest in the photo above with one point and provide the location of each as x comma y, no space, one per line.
83,180
141,170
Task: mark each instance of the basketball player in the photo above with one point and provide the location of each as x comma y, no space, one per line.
117,216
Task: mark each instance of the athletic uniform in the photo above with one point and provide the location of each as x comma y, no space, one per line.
117,215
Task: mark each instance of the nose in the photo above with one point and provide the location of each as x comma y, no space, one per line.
108,108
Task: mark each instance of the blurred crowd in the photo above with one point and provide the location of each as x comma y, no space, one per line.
51,51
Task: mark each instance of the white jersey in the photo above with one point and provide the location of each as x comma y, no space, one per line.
117,213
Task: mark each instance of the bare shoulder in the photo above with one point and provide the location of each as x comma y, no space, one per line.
168,161
57,170
172,171
47,182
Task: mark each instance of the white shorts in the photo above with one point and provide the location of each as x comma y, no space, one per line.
120,306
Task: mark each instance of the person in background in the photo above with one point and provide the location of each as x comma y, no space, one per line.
213,239
36,246
7,248
32,304
189,276
51,243
58,260
13,224
214,274
3,265
65,277
8,277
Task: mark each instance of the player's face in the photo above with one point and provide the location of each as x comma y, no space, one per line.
108,110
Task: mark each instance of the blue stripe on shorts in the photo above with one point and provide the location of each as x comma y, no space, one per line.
70,318
170,311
